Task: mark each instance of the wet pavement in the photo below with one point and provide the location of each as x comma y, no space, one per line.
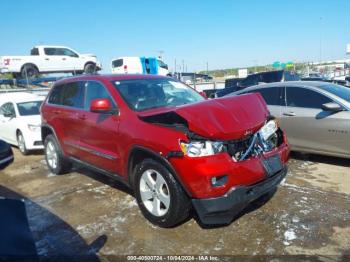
86,213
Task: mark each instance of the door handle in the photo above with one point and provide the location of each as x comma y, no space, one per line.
56,112
47,59
289,114
63,58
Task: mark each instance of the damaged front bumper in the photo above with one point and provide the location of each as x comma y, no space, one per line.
222,210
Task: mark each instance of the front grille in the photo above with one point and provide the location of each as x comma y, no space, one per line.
237,148
252,145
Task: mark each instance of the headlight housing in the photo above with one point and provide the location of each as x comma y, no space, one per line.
268,130
34,128
202,148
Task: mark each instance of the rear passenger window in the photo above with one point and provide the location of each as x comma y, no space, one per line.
95,90
70,94
302,97
117,63
34,51
272,95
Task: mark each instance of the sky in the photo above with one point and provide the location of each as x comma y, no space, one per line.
222,33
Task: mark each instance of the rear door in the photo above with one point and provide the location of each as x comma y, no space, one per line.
274,98
99,137
306,124
66,102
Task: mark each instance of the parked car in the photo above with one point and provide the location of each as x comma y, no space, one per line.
139,65
20,121
315,115
6,155
233,85
174,148
49,59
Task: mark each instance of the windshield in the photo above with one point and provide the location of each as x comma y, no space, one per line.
338,90
143,94
29,108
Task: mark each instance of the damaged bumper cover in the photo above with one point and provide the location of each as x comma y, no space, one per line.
222,210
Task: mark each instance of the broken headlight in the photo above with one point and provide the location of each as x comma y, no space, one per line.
268,130
201,148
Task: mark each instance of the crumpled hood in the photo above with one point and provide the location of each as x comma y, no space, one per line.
224,118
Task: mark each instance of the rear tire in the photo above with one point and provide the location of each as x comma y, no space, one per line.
29,71
55,160
90,68
21,143
159,196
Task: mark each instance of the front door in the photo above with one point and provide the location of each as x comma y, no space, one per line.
8,123
307,125
99,133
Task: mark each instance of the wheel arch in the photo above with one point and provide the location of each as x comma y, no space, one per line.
48,130
138,154
31,64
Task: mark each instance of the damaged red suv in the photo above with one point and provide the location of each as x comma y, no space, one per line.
173,148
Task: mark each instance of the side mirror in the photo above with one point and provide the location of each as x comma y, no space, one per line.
101,105
332,107
8,114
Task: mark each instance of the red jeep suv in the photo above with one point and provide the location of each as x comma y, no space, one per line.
172,147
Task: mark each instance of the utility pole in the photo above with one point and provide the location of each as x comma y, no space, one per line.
183,65
207,68
321,18
175,67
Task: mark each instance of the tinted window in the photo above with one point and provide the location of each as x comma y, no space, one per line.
302,97
70,94
50,51
29,108
341,91
66,52
117,63
34,51
95,90
162,64
272,95
8,108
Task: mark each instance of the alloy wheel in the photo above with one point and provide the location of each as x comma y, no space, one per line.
154,192
51,155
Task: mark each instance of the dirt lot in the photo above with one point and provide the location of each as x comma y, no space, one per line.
86,213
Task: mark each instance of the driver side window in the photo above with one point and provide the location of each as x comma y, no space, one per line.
95,90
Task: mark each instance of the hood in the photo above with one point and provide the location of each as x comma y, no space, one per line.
225,118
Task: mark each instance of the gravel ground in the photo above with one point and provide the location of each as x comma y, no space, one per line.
85,213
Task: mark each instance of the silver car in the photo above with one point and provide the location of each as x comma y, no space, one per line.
314,115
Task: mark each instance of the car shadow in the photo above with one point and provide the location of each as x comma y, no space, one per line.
338,161
256,204
104,179
54,238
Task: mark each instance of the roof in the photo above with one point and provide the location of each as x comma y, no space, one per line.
290,83
51,46
111,77
19,97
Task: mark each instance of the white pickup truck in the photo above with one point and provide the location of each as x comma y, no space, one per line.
49,59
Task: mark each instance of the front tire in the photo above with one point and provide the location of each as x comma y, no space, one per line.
55,160
21,144
159,196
